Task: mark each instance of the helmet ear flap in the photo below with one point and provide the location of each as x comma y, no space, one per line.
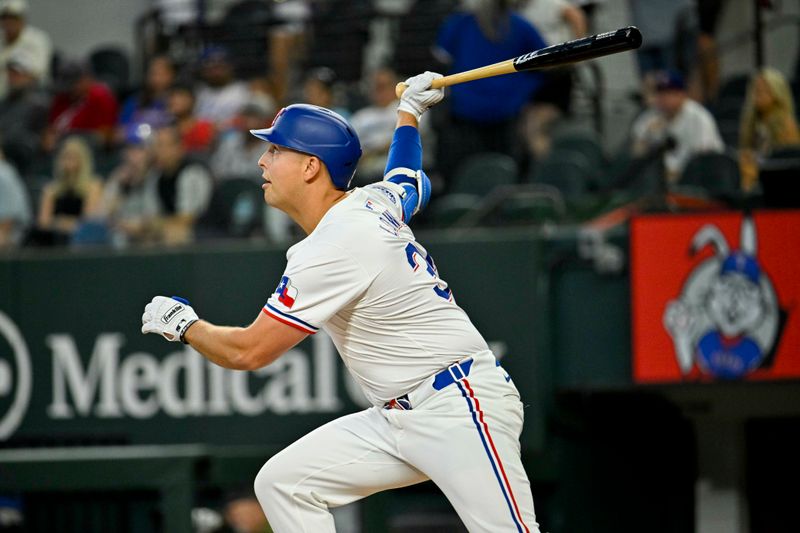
320,132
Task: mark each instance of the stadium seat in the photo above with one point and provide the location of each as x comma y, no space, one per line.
734,88
481,173
532,205
715,174
777,176
447,210
583,142
234,209
570,173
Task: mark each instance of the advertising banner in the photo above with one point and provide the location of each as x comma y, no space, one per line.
75,368
715,297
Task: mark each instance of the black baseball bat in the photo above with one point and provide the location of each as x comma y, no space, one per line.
583,49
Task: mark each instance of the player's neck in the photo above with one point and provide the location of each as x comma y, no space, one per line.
309,217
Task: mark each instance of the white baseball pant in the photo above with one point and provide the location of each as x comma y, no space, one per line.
464,437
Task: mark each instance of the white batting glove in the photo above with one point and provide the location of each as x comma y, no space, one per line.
418,96
169,317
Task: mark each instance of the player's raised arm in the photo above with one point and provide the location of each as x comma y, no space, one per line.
404,164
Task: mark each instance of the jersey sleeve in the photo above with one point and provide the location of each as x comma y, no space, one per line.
315,286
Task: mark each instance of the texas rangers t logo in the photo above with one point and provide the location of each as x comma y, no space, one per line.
286,293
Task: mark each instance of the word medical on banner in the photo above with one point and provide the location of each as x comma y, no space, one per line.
715,297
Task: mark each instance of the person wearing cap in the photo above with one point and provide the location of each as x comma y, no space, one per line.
441,405
221,95
677,123
18,34
23,110
82,104
237,152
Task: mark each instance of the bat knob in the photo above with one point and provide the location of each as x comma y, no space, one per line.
400,88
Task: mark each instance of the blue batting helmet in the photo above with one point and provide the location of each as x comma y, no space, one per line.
317,131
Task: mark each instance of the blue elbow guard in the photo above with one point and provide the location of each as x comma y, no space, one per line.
417,187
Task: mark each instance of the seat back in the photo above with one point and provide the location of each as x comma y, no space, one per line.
480,173
714,173
570,173
582,142
235,208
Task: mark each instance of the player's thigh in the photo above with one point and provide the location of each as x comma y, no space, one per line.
340,462
479,468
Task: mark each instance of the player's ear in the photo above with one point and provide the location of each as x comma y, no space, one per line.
313,168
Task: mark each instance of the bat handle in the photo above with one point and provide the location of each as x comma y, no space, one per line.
438,83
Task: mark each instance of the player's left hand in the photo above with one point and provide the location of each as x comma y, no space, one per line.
418,96
169,317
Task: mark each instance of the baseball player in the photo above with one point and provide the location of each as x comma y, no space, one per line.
443,409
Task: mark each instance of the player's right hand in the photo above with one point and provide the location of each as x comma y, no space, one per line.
169,317
418,96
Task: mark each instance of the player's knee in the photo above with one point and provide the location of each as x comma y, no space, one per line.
268,483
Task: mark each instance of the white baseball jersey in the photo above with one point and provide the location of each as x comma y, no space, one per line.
362,277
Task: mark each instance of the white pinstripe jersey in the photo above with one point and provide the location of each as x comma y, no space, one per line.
362,277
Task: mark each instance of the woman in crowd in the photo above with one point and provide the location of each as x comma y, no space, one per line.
72,196
768,122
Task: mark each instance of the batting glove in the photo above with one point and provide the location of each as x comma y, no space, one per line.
169,317
418,96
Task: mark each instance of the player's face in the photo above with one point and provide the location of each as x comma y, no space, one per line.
281,169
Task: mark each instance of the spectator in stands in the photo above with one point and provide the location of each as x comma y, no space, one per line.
243,514
81,104
419,27
677,125
18,35
557,21
128,201
221,95
238,151
657,20
182,186
72,196
339,31
23,111
149,106
197,134
768,122
707,65
374,125
484,113
318,89
15,206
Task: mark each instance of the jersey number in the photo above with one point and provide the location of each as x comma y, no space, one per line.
413,254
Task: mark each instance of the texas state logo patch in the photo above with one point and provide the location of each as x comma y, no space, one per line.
287,294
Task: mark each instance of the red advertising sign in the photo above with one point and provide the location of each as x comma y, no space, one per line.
715,297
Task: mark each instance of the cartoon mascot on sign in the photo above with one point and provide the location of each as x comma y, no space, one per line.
726,319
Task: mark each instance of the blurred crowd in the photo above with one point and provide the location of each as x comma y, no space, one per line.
90,158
